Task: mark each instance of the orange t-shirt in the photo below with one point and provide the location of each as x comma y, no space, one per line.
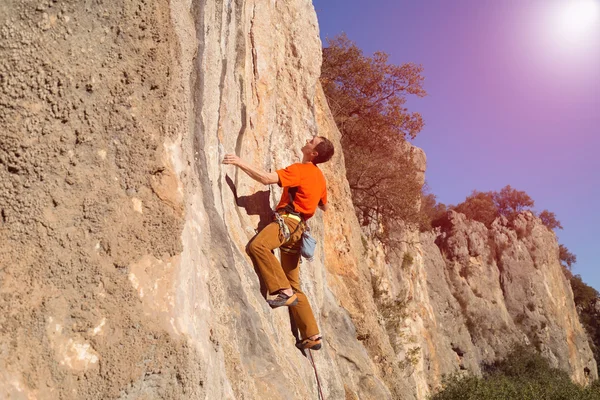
310,184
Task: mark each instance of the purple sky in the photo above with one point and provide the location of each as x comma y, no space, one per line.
512,99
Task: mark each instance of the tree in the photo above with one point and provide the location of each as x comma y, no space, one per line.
487,206
566,258
479,206
584,295
511,201
586,299
549,219
431,211
367,97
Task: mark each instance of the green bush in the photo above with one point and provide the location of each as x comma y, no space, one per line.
523,375
407,261
585,298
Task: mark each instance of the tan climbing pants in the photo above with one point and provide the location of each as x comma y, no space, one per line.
287,274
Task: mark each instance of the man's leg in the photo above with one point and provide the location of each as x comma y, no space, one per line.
302,312
260,249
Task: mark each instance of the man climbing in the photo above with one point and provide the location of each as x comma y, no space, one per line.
304,189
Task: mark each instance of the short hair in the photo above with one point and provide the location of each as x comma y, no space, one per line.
325,150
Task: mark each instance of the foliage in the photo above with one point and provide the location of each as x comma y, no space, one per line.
586,299
524,375
407,261
485,207
394,312
431,212
510,201
584,295
479,206
367,96
411,358
549,219
566,258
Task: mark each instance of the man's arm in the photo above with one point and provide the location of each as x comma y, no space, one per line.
322,203
264,177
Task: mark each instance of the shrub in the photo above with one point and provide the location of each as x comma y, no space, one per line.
586,298
407,260
523,375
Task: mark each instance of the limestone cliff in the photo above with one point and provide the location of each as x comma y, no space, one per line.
122,267
468,294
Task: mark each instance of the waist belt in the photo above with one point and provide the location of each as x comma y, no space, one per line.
292,216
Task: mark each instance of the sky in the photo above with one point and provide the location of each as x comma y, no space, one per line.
513,98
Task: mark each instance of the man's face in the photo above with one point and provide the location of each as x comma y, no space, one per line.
309,147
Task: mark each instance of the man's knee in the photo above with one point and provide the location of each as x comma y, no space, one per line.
248,251
255,247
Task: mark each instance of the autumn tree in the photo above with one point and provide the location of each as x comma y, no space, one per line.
510,201
431,212
487,206
566,258
367,97
549,219
479,206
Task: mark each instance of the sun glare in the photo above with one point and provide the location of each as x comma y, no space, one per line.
573,22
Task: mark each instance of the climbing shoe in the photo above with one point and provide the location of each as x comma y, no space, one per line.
283,299
309,344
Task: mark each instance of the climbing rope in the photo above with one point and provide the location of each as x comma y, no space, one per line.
316,375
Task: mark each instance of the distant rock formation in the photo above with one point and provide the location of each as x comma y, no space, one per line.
470,293
123,272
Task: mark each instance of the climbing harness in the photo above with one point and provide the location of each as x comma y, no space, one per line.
283,228
316,375
308,244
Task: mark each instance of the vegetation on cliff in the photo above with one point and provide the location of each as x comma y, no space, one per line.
367,97
523,374
485,207
587,300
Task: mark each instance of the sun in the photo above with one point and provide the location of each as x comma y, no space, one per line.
574,22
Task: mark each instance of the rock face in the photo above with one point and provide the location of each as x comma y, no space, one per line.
469,294
123,270
510,287
124,273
